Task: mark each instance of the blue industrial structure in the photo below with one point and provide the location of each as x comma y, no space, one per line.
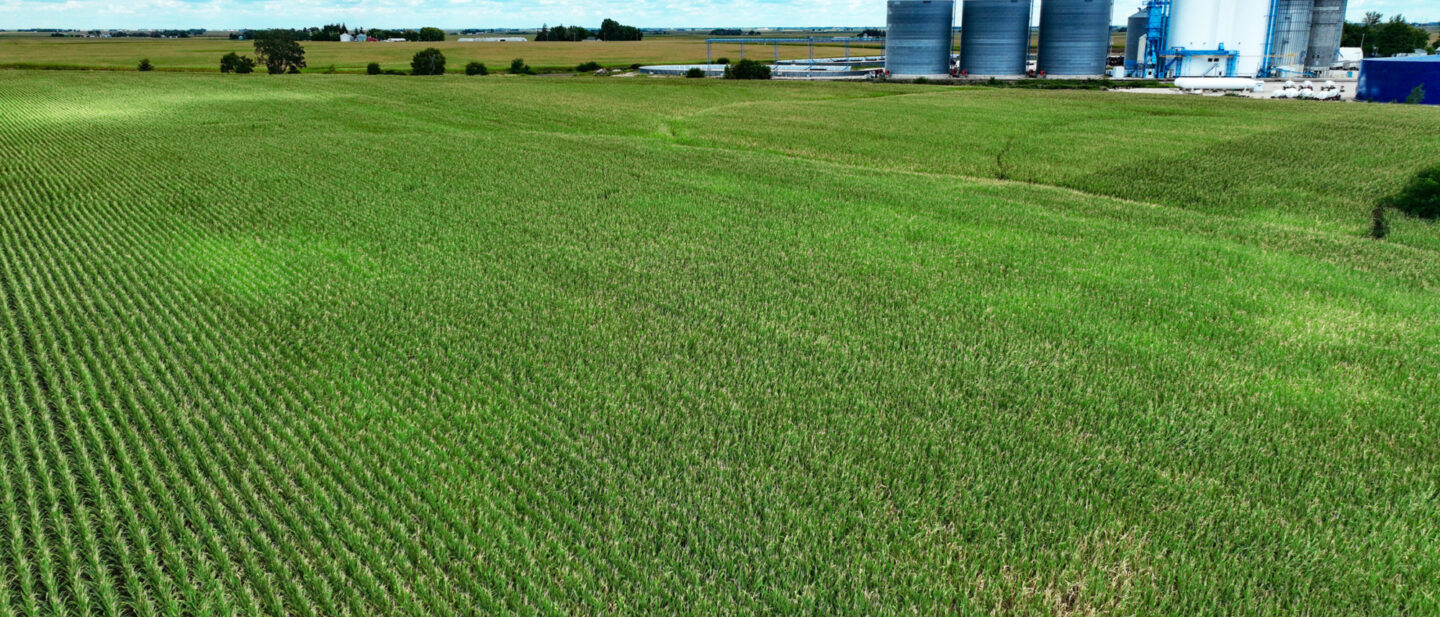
1391,80
1155,37
1179,56
1268,63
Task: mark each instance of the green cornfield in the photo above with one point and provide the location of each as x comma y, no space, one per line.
342,345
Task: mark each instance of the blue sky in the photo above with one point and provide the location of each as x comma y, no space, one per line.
221,14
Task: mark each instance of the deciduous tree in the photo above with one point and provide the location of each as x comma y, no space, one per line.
279,53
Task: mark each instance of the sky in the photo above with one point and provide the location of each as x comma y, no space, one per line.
455,14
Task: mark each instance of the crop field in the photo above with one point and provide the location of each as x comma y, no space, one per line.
203,54
350,345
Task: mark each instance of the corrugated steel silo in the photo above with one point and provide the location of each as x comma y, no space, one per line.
1290,35
1074,37
918,37
995,37
1135,31
1327,23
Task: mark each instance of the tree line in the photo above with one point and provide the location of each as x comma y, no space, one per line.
428,35
332,32
610,30
151,34
1381,39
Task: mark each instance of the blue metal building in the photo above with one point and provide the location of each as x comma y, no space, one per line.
1391,80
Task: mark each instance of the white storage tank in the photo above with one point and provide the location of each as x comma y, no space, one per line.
1219,84
1238,26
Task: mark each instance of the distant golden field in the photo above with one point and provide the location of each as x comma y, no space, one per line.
204,53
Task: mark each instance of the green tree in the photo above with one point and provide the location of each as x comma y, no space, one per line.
1379,225
329,32
588,67
1357,35
609,29
279,53
432,34
518,67
1383,39
1417,96
236,63
1421,197
145,65
695,73
372,69
428,62
476,68
1398,37
747,69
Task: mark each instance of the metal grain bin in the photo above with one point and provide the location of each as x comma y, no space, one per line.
995,37
1074,37
1136,30
1327,23
1290,37
918,37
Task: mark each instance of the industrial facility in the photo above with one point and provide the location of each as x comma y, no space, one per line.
1234,38
1165,39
